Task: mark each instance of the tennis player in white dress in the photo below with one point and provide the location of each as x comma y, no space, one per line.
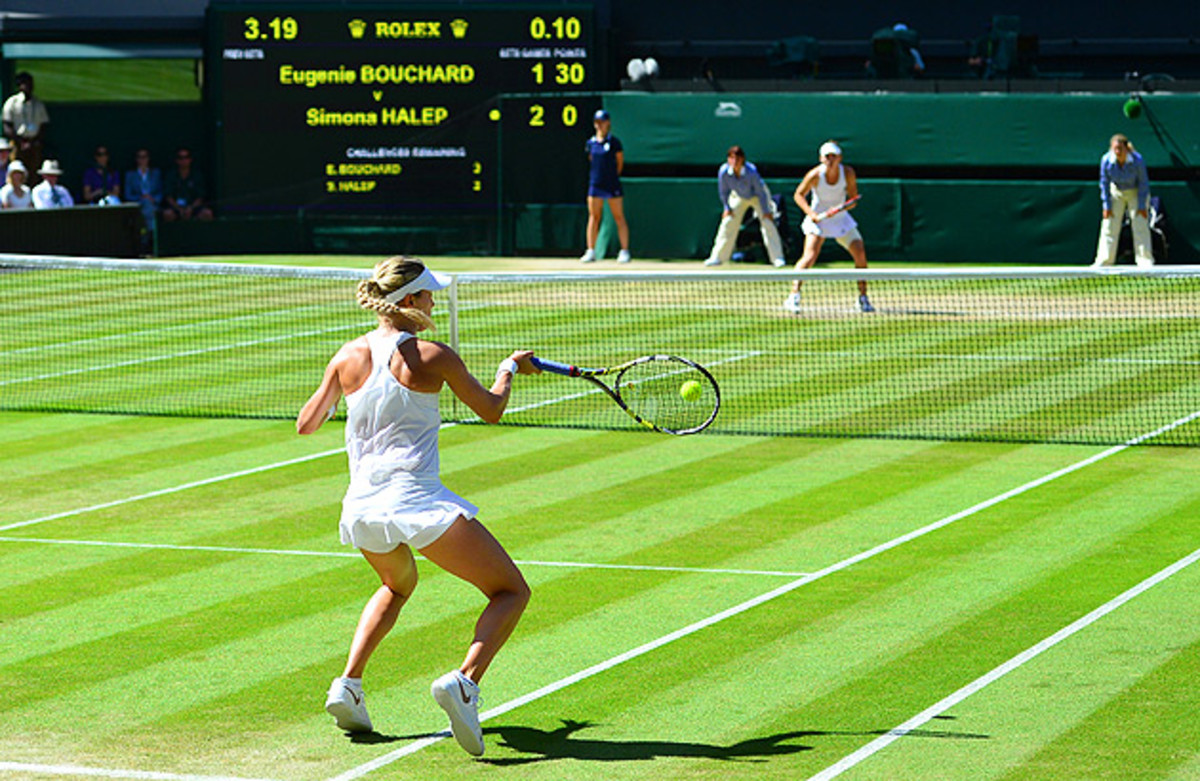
831,184
396,501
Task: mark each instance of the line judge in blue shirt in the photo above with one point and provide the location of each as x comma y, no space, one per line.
606,157
740,189
1124,185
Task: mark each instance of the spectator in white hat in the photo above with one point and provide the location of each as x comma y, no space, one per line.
49,194
14,194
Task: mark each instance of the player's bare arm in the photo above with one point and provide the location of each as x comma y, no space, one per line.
344,374
488,403
801,195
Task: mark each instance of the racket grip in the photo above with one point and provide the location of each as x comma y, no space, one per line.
554,367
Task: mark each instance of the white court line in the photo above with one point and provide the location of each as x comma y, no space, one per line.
172,356
137,775
171,490
646,648
348,555
935,710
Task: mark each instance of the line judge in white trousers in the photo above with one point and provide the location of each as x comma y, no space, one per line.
742,188
1124,186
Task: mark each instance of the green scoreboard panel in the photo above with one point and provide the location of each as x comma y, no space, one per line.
378,109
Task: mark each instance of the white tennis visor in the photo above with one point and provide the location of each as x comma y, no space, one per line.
428,280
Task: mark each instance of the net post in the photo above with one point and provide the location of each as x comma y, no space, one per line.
453,306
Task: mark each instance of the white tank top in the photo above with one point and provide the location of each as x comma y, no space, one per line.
826,195
391,430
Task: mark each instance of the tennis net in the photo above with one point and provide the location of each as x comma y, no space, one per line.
1026,355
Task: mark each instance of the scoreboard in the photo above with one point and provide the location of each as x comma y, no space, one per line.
384,109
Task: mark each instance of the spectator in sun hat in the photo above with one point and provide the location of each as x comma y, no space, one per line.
49,194
14,194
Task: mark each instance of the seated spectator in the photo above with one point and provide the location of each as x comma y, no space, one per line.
143,186
894,53
14,194
50,194
183,191
100,181
6,150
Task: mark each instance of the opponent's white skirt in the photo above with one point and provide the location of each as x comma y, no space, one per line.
380,518
835,227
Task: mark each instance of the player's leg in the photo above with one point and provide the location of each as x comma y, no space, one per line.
858,252
469,551
398,573
812,248
617,207
595,206
345,700
1110,231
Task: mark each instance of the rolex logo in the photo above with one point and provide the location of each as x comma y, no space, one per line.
459,28
357,28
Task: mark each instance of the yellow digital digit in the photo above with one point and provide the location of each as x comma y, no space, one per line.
537,115
537,28
538,72
291,28
477,186
477,168
252,31
570,115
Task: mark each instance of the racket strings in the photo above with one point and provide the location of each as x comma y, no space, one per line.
671,395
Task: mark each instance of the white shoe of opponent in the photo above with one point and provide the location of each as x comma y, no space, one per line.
348,705
792,303
588,257
623,256
459,697
778,262
713,261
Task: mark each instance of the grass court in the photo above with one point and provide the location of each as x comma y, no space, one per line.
174,602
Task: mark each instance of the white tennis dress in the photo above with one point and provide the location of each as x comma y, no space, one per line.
826,196
396,495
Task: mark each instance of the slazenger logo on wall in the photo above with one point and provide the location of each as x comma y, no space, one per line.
727,108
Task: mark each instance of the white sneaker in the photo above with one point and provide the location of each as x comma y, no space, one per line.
588,257
623,256
778,262
713,261
792,303
459,697
348,705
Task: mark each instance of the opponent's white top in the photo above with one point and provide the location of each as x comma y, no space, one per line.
826,196
395,494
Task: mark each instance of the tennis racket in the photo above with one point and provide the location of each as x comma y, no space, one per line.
662,392
832,210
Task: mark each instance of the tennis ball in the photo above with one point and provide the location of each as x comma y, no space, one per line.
1133,108
691,390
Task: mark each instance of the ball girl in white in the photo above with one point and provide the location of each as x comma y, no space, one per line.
831,184
396,502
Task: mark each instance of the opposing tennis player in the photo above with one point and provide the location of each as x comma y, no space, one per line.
834,189
396,501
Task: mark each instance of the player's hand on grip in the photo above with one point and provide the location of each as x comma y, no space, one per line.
524,364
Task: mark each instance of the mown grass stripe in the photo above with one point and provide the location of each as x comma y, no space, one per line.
1003,669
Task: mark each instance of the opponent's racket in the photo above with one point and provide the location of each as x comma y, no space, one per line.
662,392
832,210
